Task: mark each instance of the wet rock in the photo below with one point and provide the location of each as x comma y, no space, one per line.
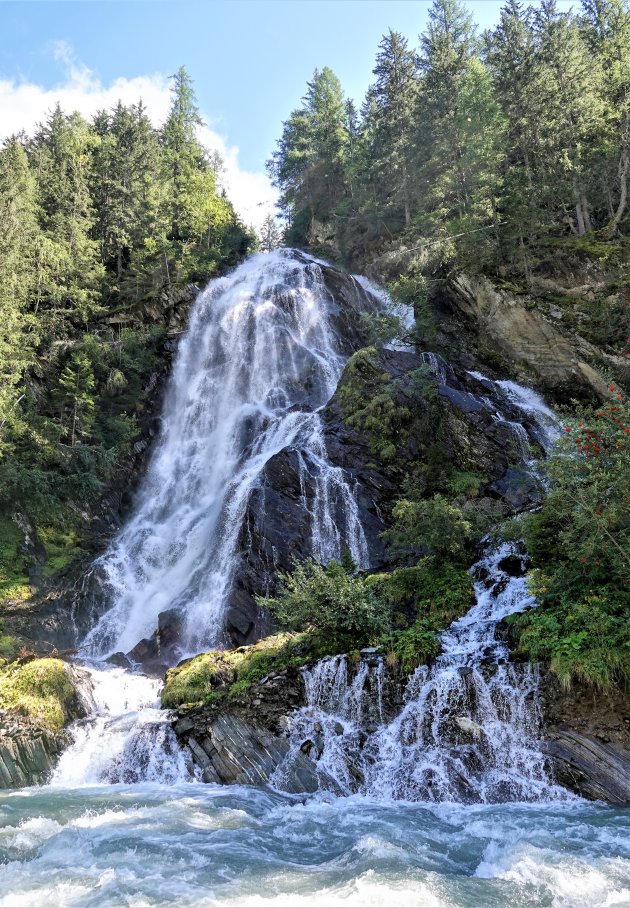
236,752
513,566
468,726
588,767
120,660
28,752
519,489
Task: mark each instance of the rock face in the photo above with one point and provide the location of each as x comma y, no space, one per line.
29,750
589,768
245,739
241,740
454,415
587,738
501,325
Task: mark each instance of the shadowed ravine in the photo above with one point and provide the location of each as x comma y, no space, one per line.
449,801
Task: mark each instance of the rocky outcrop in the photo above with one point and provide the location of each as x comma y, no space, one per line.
519,335
589,768
239,752
454,415
587,739
28,752
29,747
240,739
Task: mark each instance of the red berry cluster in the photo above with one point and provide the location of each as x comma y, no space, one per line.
610,433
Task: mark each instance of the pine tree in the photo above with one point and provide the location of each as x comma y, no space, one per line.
270,235
199,217
182,154
325,104
308,166
69,274
125,184
75,394
19,238
568,84
460,127
608,33
395,95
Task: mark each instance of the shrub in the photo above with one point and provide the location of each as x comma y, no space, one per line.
434,524
580,544
329,598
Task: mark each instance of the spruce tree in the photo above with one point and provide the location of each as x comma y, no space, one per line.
19,239
69,273
395,94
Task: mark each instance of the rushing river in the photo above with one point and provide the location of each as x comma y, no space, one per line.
197,845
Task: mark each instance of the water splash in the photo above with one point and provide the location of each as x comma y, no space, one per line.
258,361
127,739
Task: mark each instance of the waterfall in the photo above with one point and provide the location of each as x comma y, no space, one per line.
259,359
467,728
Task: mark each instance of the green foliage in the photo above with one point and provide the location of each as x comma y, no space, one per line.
39,689
433,524
339,613
13,579
430,596
369,404
329,598
102,225
474,153
580,544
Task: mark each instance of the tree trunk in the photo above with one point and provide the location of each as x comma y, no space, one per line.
624,165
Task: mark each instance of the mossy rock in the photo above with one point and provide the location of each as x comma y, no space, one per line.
211,676
41,689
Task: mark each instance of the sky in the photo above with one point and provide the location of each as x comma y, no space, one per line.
250,61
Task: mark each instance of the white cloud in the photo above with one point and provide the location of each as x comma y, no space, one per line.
24,104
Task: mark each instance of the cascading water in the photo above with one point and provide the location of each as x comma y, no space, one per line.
467,730
259,359
127,739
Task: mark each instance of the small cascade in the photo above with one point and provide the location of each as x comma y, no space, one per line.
329,535
468,729
331,729
438,366
262,355
127,739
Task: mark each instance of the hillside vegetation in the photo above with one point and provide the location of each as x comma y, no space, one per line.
104,224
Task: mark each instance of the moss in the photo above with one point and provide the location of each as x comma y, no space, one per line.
369,403
62,547
211,676
39,689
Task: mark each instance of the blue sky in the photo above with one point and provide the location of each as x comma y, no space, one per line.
250,59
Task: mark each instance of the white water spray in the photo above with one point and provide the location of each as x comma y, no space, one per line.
127,739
